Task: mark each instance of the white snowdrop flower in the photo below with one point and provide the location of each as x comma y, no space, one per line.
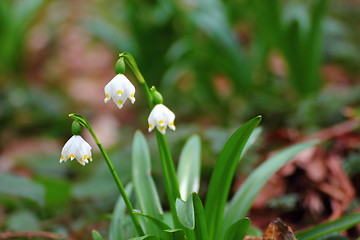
119,89
161,117
76,147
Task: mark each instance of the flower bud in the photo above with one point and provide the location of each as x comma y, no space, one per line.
156,96
120,66
75,128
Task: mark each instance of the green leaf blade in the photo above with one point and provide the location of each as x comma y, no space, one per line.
243,199
176,234
160,224
329,227
188,172
116,230
96,235
201,232
185,212
222,176
238,230
145,189
147,237
21,187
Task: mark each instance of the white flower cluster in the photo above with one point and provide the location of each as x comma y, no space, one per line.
119,89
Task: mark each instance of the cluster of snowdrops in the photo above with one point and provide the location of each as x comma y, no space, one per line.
187,217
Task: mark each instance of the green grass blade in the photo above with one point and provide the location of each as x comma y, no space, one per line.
96,235
315,44
188,171
238,230
147,237
223,174
201,232
145,190
243,199
116,230
176,234
329,227
185,212
160,224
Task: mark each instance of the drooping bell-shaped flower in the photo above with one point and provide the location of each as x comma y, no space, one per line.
76,147
161,117
119,89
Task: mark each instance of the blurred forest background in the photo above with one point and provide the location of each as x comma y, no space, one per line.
217,63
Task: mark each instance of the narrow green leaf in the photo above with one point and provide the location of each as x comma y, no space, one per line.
201,232
185,212
314,44
176,234
337,225
238,230
243,199
96,235
21,187
145,190
117,219
160,224
188,172
252,139
223,174
147,237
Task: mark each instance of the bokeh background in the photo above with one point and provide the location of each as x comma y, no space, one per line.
217,64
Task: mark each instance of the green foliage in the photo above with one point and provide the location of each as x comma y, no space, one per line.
329,227
244,197
238,230
158,223
223,174
96,235
188,171
185,212
176,234
16,19
116,231
197,223
57,192
201,231
147,237
146,193
23,220
298,33
21,187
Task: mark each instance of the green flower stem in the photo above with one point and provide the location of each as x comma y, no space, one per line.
126,199
171,182
122,191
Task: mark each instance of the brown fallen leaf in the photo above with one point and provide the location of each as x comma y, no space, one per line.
276,230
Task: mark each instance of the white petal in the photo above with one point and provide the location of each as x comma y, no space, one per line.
107,90
161,129
66,151
172,126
